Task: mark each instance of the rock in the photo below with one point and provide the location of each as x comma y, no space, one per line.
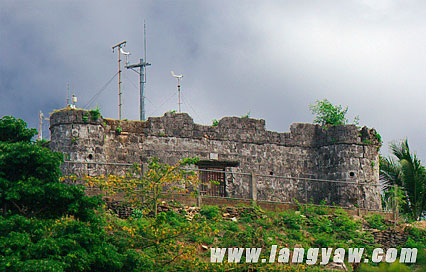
234,219
336,266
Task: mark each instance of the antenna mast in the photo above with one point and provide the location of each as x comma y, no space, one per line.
68,94
142,77
40,126
178,77
119,45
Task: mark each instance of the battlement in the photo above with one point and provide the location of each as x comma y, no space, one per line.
237,129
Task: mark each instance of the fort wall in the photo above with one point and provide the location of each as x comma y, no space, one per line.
281,160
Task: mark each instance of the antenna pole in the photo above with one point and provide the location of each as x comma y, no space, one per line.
142,80
119,84
68,94
141,91
178,77
179,94
144,39
142,77
40,126
120,45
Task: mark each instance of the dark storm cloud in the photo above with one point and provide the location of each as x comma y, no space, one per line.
272,58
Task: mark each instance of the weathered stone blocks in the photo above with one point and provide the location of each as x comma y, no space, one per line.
343,153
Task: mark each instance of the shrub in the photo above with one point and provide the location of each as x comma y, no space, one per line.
416,238
85,117
376,221
291,220
66,244
118,130
210,212
95,114
329,114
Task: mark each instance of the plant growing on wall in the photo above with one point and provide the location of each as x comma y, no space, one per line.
247,115
329,114
95,114
85,117
118,129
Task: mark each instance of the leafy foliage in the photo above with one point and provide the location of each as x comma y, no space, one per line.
14,130
146,190
245,116
406,171
376,221
329,114
29,177
66,244
95,114
385,267
210,212
85,117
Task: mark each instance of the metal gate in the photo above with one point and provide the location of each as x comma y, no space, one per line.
213,181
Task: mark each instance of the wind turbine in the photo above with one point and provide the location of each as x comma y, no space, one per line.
178,77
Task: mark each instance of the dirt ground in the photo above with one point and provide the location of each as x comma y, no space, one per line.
418,224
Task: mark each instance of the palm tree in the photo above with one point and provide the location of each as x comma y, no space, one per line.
407,172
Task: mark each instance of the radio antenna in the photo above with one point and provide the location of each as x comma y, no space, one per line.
178,77
68,94
119,45
142,76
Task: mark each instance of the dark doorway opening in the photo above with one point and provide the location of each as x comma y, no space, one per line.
213,181
213,176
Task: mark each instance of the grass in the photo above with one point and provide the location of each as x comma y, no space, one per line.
310,226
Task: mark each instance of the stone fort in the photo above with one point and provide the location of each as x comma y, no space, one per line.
335,165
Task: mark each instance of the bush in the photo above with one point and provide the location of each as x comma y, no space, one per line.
385,267
66,244
210,212
376,221
329,114
95,114
416,238
291,220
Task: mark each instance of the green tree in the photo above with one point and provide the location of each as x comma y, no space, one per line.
406,171
29,177
147,190
329,114
15,130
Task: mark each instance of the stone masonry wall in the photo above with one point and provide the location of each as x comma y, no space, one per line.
280,160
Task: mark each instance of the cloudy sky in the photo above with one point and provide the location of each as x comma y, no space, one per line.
269,58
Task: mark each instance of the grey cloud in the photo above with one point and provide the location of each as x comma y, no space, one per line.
272,58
